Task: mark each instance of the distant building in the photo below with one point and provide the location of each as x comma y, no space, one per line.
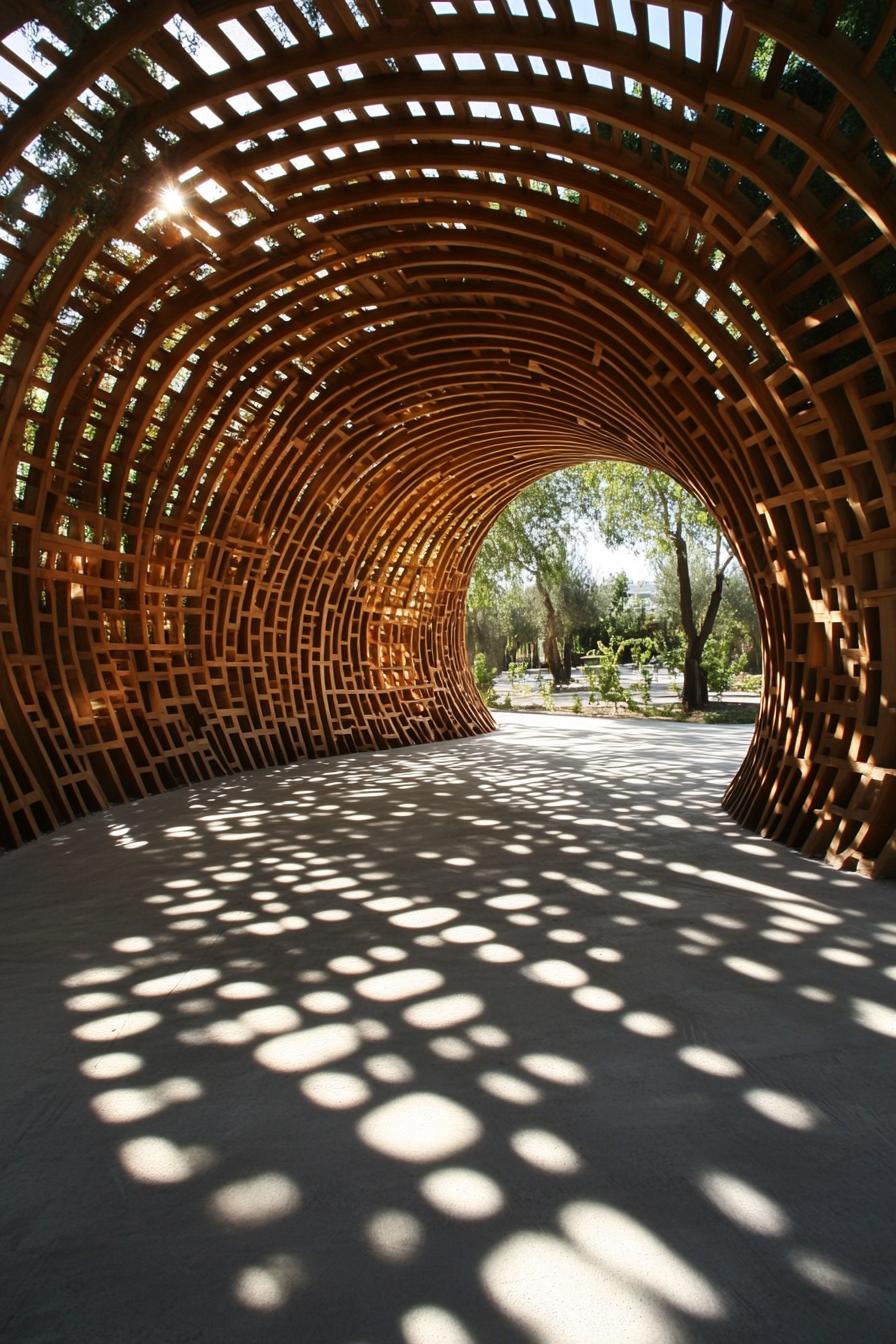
643,590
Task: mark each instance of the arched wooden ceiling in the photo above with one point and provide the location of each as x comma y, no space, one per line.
296,297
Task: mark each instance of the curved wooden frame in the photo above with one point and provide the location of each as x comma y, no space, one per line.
425,255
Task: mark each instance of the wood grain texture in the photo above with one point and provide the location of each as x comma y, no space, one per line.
426,254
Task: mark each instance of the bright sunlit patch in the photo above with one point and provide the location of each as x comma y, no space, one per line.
448,1011
803,909
99,1001
825,1274
336,1091
750,847
433,1325
299,1051
545,1151
498,954
648,1024
507,1087
269,1286
153,1160
783,1109
522,901
181,982
335,883
467,933
744,1204
598,1000
350,965
875,1016
395,985
124,1105
292,923
271,1019
555,1069
116,1027
117,1065
244,989
324,1001
652,899
756,970
96,975
223,1032
388,905
451,1048
815,994
419,1127
195,907
489,1037
568,936
256,1201
389,1069
792,924
394,1235
460,1192
842,956
709,1061
427,917
369,1029
604,954
626,1248
556,1295
558,974
131,945
672,822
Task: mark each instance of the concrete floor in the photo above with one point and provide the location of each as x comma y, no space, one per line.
513,1039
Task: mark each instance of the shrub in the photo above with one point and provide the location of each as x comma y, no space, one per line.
516,672
608,679
484,677
720,661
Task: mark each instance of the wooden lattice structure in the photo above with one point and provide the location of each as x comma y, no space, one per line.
296,297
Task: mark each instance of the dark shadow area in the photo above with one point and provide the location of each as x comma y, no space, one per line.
513,1039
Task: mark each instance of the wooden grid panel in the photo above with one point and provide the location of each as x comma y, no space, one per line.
423,254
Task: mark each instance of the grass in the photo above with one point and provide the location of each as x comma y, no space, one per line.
731,714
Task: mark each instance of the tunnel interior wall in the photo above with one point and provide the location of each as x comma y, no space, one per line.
296,299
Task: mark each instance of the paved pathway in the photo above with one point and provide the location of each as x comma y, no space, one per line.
513,1039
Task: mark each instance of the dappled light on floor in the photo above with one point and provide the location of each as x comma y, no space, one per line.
471,1065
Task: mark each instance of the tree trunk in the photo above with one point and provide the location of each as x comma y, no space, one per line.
695,692
553,659
567,661
551,637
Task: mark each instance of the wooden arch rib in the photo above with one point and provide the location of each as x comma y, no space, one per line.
428,254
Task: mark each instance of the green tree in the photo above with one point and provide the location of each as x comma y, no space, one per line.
646,508
532,537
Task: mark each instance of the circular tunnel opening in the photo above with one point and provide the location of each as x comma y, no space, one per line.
609,588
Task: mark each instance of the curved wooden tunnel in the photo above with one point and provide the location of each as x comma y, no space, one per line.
297,297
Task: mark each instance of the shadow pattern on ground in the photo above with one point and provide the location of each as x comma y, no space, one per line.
513,1039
